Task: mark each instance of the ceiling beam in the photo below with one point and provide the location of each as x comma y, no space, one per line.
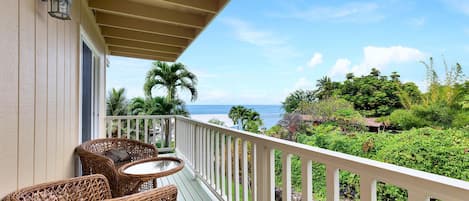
143,46
142,52
135,24
139,56
208,6
159,14
112,32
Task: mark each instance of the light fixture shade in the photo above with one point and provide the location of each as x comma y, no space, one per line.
60,9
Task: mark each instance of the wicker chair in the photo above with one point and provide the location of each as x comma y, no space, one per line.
93,161
93,187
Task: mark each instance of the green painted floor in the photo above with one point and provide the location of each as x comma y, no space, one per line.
188,188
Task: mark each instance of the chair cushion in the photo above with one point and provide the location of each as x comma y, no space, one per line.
117,155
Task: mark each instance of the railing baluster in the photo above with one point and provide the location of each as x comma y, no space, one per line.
229,168
128,128
223,175
265,173
118,128
145,133
286,176
236,170
217,161
109,128
416,195
245,171
306,182
212,168
207,159
254,171
137,129
367,188
332,183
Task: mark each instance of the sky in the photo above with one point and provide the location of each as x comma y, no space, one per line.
258,51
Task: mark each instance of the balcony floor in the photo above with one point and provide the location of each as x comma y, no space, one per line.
188,188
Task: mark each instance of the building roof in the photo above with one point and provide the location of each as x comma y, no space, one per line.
153,29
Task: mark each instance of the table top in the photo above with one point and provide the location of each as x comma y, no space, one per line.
155,167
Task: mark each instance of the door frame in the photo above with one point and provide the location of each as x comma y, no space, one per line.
84,38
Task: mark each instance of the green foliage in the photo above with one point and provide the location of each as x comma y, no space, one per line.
157,106
326,88
294,99
334,110
172,78
441,152
461,120
373,95
406,119
247,118
116,102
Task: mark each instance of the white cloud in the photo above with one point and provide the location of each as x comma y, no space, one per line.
377,57
460,5
340,66
466,31
274,47
300,69
315,60
303,83
417,22
349,12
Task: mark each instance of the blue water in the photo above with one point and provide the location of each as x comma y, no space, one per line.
270,114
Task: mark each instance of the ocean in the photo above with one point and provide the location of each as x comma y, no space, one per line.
270,114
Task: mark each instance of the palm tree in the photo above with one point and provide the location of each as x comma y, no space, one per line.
325,88
236,114
173,78
158,106
116,102
251,120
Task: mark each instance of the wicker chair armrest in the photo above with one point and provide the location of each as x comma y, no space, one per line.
92,187
166,193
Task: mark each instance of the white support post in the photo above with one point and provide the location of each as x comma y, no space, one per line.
137,129
145,134
416,195
109,128
217,162
211,159
265,173
306,182
332,183
245,171
254,171
128,128
367,188
236,170
229,169
223,175
119,128
286,176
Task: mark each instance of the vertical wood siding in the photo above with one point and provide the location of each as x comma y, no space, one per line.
39,90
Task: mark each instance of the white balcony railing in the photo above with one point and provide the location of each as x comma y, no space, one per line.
216,154
156,130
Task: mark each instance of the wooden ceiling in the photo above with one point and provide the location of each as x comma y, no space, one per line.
153,29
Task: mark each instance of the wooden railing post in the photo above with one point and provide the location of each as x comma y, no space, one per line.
332,183
265,173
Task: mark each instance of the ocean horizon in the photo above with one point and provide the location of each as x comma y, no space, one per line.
270,114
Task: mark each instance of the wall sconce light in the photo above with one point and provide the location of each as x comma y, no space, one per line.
60,9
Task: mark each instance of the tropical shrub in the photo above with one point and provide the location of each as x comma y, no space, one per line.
406,119
294,99
443,152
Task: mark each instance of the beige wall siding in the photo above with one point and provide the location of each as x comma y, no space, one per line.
39,86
